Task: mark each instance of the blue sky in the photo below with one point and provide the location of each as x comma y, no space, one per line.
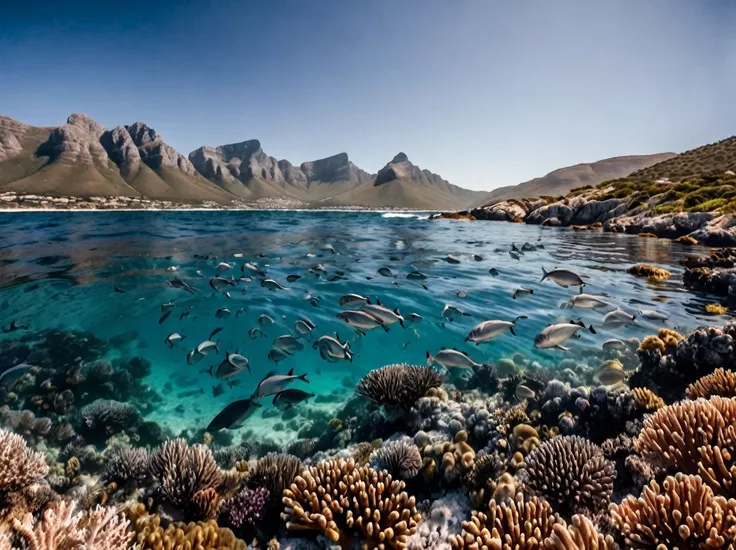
484,93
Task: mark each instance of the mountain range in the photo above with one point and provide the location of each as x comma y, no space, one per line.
83,158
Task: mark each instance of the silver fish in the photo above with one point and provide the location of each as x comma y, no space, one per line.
462,293
522,292
383,314
255,333
205,347
233,415
265,321
413,318
302,328
617,345
232,365
176,282
329,247
274,383
272,285
451,358
173,338
653,315
288,343
450,312
351,300
223,313
332,349
555,335
524,392
452,259
194,357
164,317
277,355
618,317
218,282
360,320
293,278
588,301
222,266
487,330
562,277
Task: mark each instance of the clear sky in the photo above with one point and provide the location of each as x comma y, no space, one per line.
483,92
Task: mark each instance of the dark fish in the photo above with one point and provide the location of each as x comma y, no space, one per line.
176,282
277,355
293,278
13,374
120,290
164,317
218,390
233,415
214,332
493,271
185,313
385,272
286,399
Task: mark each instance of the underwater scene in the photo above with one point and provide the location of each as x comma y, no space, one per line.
360,379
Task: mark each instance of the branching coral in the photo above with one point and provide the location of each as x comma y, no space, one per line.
400,458
151,535
336,495
683,513
108,417
580,535
20,466
274,472
513,524
187,477
127,464
719,382
671,436
399,385
571,473
102,529
647,400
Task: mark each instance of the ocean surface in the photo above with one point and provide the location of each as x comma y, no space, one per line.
61,269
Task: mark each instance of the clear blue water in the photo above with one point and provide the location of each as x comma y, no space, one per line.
61,269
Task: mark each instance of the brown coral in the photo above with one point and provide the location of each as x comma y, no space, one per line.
651,343
455,458
274,472
671,436
580,535
399,385
717,468
513,524
20,466
650,272
719,382
185,475
646,399
401,459
336,495
151,535
572,473
683,513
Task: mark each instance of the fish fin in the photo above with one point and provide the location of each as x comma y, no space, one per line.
519,318
378,302
360,331
544,274
209,370
217,347
337,337
368,300
466,314
562,348
511,328
384,327
291,372
591,329
304,378
430,360
425,287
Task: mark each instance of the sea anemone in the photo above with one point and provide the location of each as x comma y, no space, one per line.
399,385
514,523
719,382
571,473
20,466
187,477
336,495
683,513
400,458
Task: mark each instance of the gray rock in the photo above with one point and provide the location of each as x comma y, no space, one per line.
122,150
335,168
596,211
664,225
9,145
77,141
720,231
551,214
155,152
505,211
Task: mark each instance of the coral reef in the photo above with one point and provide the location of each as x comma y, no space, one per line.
398,385
400,458
719,382
336,497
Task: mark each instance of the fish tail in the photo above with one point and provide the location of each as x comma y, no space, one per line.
519,318
209,370
544,274
591,329
217,347
384,327
511,329
304,377
430,360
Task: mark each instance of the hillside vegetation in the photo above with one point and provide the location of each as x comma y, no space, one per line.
714,158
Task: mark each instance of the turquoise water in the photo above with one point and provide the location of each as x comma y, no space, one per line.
61,270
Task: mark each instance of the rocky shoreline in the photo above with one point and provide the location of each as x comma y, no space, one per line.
613,215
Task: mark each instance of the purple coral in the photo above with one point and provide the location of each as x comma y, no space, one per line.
247,507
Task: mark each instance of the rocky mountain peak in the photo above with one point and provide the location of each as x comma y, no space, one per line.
142,134
401,157
86,123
